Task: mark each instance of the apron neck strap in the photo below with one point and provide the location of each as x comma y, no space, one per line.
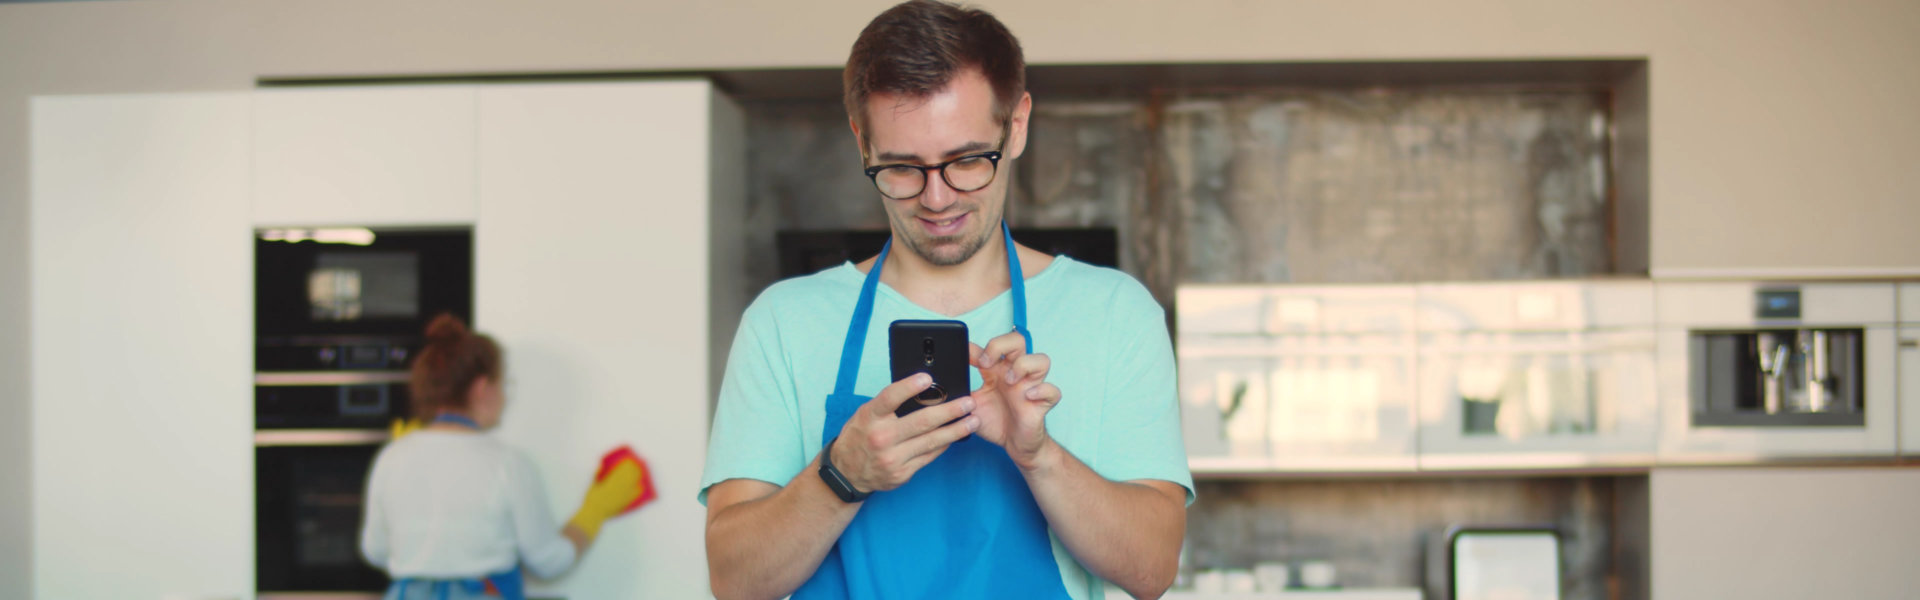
1019,285
857,330
856,341
461,420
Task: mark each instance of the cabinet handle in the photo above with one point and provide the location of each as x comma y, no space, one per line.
1909,344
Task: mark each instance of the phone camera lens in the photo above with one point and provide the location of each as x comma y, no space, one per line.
926,345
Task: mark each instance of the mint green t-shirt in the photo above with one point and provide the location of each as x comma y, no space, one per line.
1106,338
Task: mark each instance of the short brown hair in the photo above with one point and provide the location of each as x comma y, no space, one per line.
916,48
451,360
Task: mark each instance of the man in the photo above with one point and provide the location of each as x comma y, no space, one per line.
1074,472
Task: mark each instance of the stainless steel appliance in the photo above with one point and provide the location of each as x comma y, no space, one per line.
1760,370
1777,377
339,316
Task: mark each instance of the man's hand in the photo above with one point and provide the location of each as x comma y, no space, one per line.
1014,397
878,451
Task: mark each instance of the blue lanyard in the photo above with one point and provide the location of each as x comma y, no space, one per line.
457,420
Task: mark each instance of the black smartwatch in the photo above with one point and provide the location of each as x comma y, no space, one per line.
836,481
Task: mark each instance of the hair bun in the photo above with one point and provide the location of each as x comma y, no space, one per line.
446,328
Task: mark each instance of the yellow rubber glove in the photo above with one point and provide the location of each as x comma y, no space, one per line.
607,497
402,427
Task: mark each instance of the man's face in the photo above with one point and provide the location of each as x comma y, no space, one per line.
942,225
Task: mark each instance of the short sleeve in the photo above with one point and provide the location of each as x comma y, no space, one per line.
1140,428
756,426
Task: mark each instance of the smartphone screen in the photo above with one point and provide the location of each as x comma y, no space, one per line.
938,348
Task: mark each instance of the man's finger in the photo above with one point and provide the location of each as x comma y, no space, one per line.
926,419
1043,393
891,397
1008,346
1032,367
934,442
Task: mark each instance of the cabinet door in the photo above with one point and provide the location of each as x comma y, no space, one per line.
1537,375
593,271
364,156
1277,379
142,321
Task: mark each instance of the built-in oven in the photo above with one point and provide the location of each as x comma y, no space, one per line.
357,283
340,314
309,499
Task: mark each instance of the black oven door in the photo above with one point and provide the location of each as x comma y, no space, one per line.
308,506
390,285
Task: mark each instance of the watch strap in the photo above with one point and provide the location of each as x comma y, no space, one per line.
837,481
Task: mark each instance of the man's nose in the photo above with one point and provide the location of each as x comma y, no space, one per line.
938,196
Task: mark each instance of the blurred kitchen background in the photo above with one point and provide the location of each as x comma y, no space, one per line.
1622,297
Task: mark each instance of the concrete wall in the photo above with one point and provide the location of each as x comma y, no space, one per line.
1767,533
1773,120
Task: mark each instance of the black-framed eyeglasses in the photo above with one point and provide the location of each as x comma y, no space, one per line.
965,174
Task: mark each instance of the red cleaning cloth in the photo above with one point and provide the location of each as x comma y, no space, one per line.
625,453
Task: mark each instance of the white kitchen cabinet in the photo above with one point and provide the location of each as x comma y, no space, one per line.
1686,308
142,347
1297,378
603,265
374,156
1537,375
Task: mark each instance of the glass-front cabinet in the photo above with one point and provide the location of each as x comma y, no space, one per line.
1396,378
1297,378
1536,375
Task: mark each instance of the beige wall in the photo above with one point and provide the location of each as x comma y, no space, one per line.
1781,131
1785,533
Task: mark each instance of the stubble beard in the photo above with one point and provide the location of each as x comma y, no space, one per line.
944,251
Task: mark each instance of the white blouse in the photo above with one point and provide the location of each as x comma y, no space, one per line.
456,505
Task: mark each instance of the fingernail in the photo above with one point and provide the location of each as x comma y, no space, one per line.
923,379
966,405
1033,394
1012,376
973,423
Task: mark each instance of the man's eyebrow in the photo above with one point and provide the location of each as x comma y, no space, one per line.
902,157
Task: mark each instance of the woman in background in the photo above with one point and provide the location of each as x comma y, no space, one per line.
453,513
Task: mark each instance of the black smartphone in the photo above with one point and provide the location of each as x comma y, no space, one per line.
938,348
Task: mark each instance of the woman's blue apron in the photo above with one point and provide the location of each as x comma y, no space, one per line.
507,586
965,526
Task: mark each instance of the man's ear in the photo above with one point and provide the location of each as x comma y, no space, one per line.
859,141
1017,125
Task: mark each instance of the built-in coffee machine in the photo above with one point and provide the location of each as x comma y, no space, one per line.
1775,370
1777,374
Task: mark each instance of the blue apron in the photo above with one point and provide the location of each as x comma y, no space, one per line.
508,586
965,526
